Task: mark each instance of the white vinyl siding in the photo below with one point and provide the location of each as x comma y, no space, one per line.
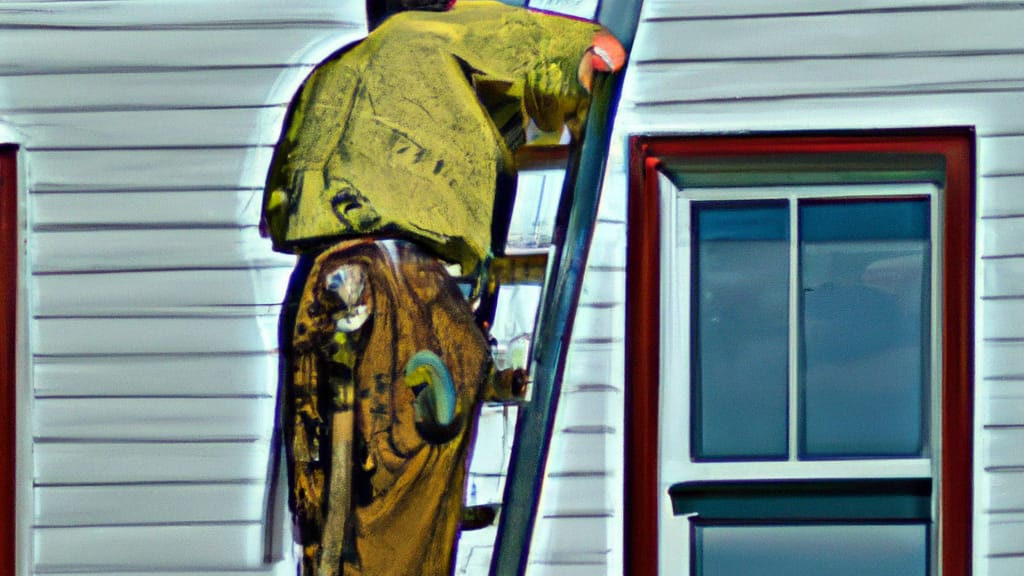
741,66
146,129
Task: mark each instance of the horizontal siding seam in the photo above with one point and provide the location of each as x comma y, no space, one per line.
149,69
589,430
140,269
45,396
1011,6
154,483
541,562
600,387
924,54
69,569
580,474
596,340
98,440
169,190
50,360
255,267
44,358
909,92
213,523
997,470
212,26
151,148
60,110
998,135
602,305
268,570
211,313
258,312
1002,256
154,191
474,474
602,514
136,227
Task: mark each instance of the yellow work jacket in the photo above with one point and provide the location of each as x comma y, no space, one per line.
404,134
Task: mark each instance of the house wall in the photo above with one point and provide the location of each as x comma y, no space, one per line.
794,65
151,301
146,129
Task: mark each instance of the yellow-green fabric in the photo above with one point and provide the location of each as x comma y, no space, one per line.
404,134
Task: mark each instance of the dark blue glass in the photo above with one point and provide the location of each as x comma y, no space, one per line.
797,550
740,332
864,327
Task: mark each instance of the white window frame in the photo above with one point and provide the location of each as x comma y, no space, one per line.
675,461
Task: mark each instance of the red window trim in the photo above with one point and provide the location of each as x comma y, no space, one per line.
643,318
8,346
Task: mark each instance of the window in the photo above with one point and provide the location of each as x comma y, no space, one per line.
8,315
799,393
809,317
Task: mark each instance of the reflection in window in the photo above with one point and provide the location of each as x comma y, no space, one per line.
864,273
818,549
741,332
533,216
861,328
514,319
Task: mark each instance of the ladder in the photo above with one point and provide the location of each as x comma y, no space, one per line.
577,215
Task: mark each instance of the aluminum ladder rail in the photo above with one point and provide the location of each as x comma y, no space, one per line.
577,215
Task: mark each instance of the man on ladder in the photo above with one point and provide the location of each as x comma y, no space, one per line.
384,178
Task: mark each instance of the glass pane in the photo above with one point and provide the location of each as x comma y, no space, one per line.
741,311
514,317
864,278
832,550
533,216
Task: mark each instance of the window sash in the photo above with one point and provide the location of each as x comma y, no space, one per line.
677,462
676,263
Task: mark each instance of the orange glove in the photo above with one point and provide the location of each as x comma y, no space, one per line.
606,54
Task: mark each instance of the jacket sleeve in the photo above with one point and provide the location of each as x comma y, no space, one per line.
315,122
